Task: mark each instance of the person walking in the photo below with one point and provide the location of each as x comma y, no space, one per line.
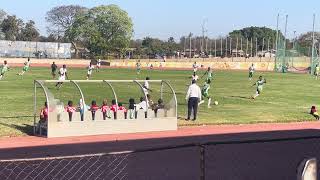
193,97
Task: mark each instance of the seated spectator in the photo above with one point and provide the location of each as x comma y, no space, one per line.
132,109
70,110
159,105
122,108
94,108
82,108
44,114
314,112
143,105
150,102
114,108
105,109
43,117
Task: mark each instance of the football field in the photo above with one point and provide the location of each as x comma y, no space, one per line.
285,98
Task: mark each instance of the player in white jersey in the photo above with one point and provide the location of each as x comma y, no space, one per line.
146,86
251,71
195,67
62,76
90,69
98,65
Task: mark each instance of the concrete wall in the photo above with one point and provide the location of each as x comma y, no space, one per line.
262,64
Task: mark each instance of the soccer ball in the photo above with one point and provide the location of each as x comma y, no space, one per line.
216,103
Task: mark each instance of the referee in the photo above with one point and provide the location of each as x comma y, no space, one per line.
193,97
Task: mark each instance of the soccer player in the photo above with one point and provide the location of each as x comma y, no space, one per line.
259,85
146,86
205,93
25,67
54,68
317,71
251,71
138,67
90,69
195,67
98,65
209,74
3,69
62,76
195,76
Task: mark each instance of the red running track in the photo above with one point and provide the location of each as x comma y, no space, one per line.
32,141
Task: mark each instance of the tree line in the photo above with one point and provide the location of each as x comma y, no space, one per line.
106,31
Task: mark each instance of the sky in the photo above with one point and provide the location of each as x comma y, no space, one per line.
175,18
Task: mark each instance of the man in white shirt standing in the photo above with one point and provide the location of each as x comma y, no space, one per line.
193,97
146,86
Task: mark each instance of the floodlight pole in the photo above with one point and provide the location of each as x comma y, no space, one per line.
313,39
215,47
190,36
277,40
221,48
285,36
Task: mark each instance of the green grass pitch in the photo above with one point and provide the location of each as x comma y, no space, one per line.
286,97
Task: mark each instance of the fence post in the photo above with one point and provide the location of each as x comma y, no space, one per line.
202,163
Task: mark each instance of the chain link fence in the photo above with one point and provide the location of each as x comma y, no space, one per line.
95,166
240,160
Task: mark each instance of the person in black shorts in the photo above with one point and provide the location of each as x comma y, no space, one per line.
53,70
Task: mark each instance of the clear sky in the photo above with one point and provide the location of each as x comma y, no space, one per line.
165,18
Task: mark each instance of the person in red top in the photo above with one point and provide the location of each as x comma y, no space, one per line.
105,109
314,112
70,109
94,108
122,108
44,113
114,108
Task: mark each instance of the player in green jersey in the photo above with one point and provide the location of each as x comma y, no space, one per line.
259,85
3,69
25,67
209,74
205,92
138,67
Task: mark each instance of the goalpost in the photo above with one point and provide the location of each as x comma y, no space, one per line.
85,121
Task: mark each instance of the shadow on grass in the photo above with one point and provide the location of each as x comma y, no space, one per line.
14,117
240,97
25,128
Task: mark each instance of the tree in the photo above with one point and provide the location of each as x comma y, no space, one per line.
103,29
305,39
29,32
60,20
255,33
11,27
3,15
153,46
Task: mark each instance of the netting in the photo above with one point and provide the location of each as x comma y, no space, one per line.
95,166
291,57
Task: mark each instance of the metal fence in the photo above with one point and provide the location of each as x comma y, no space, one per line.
35,49
234,160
